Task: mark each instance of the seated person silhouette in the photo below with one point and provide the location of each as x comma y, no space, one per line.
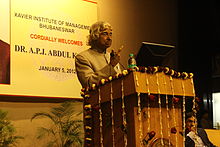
195,137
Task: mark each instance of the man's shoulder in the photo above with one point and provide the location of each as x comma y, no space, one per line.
86,52
90,53
82,53
86,55
201,132
200,129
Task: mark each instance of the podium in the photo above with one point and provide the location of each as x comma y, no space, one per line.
138,109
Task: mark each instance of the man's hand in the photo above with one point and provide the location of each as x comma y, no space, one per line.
115,57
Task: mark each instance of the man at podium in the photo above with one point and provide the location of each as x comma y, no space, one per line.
95,63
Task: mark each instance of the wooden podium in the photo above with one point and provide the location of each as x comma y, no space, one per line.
152,114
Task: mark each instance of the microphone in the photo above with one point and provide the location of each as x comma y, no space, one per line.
112,54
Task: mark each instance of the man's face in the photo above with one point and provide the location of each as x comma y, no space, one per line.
191,123
105,39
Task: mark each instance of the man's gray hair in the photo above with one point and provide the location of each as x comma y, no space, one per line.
95,30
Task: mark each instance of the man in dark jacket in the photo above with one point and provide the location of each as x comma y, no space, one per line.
195,137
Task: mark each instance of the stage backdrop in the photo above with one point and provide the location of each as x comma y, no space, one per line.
45,36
